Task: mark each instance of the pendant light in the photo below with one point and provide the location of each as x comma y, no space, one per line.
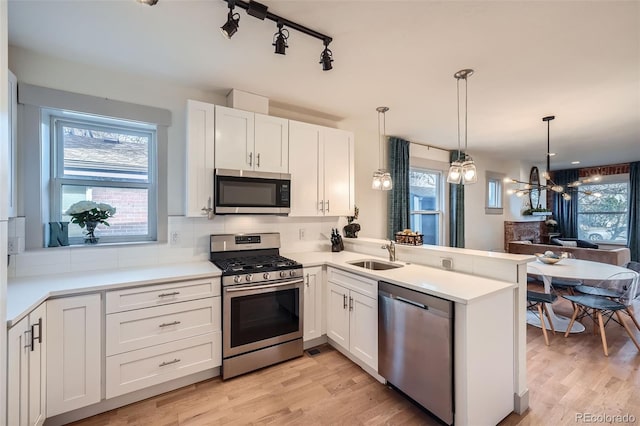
550,185
463,169
381,177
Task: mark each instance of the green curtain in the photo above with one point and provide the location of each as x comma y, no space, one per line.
456,209
633,234
398,206
566,212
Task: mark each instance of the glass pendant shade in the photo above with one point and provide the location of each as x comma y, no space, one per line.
469,172
387,183
376,183
455,173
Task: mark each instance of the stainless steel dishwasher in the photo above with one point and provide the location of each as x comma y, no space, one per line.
415,347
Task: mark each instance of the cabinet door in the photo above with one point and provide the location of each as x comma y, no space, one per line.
12,208
200,157
234,139
338,314
18,374
363,330
304,146
74,342
338,172
312,303
37,366
271,150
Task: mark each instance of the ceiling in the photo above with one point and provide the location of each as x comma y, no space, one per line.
577,60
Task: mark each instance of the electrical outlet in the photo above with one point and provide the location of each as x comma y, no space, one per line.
175,238
446,262
12,245
301,233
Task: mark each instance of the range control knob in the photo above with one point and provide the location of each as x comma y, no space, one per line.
265,275
249,277
237,279
292,273
283,274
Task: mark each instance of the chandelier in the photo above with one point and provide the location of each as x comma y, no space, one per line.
525,188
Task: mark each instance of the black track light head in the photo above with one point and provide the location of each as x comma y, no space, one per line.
149,2
280,40
231,26
326,57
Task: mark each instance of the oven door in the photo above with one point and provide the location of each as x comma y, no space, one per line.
258,316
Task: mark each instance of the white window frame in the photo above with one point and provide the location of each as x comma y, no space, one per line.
105,124
494,206
440,197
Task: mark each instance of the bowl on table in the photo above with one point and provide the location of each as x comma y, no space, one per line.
549,259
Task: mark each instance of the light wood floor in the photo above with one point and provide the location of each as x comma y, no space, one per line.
568,377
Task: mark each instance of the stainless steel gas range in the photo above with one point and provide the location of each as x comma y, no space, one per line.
262,302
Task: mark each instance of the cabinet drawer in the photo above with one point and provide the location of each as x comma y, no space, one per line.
362,285
139,369
155,295
131,330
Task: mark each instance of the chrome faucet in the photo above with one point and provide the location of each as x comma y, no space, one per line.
391,248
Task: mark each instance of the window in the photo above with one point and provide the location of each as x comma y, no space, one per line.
602,216
494,193
425,203
106,161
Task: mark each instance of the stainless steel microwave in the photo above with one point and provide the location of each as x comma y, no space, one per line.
248,192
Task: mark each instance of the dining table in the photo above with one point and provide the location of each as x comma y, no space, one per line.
569,269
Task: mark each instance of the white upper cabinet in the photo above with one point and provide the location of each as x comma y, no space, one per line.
338,172
304,147
321,164
271,149
250,141
200,157
234,139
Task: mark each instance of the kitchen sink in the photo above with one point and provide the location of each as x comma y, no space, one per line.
375,265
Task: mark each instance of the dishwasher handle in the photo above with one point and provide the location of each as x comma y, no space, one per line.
410,302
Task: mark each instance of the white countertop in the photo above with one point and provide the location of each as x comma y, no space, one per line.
26,293
455,286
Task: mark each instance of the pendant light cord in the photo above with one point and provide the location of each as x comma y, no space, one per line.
466,115
380,147
548,149
458,98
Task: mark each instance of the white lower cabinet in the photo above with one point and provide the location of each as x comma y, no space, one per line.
313,303
352,315
131,371
26,378
74,356
175,331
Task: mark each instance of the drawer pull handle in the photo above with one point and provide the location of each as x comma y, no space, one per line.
169,362
168,324
173,293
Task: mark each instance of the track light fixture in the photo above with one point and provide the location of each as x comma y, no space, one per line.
149,2
261,12
231,26
280,40
326,57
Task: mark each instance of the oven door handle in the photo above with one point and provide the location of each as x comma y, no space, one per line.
259,287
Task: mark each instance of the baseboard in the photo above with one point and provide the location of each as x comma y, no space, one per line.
521,402
130,398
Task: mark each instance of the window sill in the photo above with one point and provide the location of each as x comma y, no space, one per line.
110,245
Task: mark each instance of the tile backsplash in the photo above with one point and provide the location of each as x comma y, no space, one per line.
188,240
